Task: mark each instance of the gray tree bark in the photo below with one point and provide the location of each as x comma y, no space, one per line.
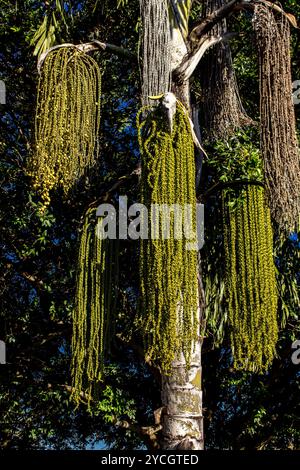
182,419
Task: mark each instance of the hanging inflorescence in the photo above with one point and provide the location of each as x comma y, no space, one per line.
67,121
93,313
168,269
240,281
279,142
250,279
156,59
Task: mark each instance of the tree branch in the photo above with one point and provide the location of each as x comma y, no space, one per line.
90,47
191,60
201,41
37,283
107,194
275,7
205,25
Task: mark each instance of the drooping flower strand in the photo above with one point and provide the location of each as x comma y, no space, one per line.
67,121
250,280
168,270
278,130
94,309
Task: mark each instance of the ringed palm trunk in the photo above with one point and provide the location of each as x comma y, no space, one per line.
181,390
182,422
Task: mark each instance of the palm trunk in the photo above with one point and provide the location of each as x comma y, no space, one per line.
181,390
182,421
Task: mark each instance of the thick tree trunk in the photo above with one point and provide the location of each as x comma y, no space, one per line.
182,420
222,108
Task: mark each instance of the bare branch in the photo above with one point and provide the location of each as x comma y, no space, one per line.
191,60
107,194
69,389
205,25
33,280
90,47
158,414
201,41
277,8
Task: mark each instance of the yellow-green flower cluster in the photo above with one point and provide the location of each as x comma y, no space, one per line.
67,121
250,280
92,314
168,270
